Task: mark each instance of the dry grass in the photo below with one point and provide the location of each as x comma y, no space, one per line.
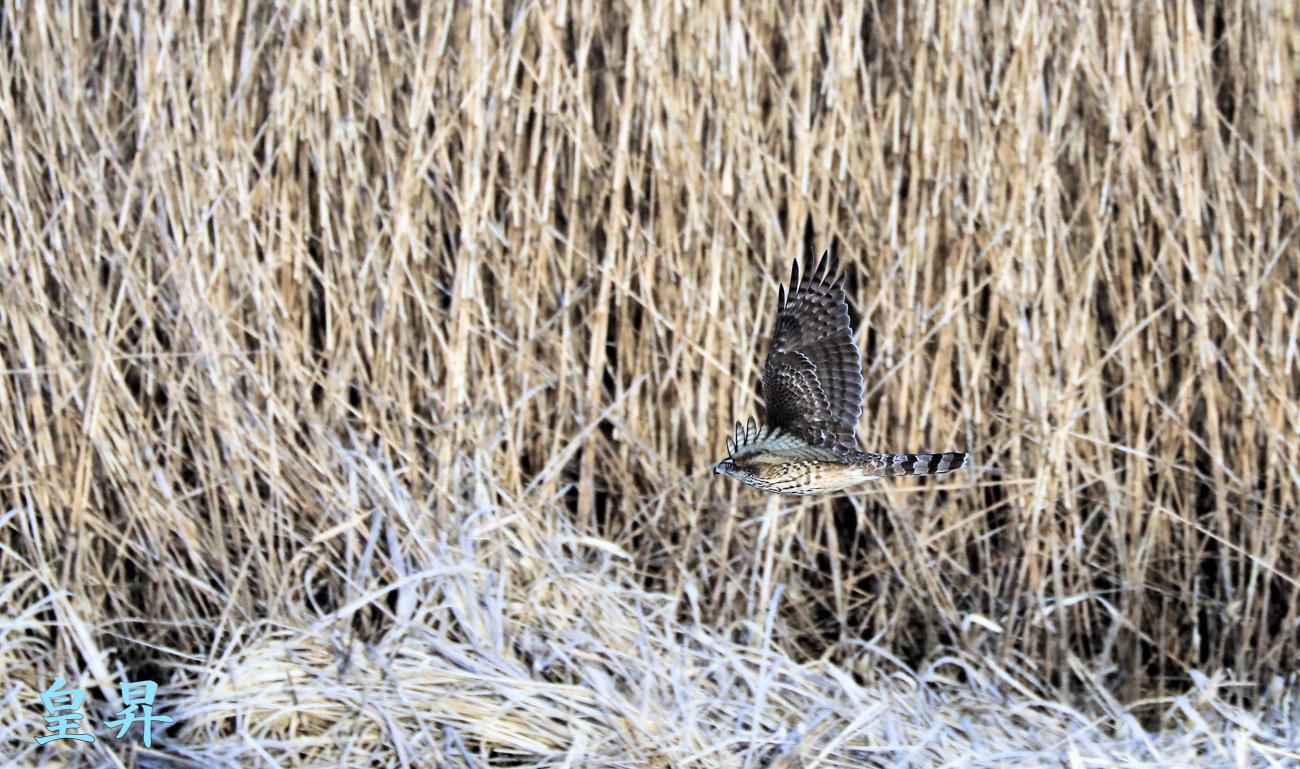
361,370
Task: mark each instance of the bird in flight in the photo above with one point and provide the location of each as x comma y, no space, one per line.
812,385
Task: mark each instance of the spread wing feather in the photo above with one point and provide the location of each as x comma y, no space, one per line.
753,439
812,379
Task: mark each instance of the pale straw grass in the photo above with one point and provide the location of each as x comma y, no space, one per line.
362,367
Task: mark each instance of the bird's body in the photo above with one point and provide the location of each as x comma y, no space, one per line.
812,383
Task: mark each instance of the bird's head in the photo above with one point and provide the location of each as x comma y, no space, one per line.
743,473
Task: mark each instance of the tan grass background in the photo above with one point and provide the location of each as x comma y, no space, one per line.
363,366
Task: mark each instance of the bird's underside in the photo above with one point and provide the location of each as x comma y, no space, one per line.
768,459
812,385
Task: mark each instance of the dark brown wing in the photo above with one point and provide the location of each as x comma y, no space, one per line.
812,380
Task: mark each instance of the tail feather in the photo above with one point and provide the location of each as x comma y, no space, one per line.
890,465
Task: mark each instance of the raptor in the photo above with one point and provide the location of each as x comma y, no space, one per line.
812,385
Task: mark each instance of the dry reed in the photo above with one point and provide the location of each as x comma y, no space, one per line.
362,366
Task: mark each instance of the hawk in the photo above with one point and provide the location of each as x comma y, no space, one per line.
812,384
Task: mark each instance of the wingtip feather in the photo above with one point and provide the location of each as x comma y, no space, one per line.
834,277
823,269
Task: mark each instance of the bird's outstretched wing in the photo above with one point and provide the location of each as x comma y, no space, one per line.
754,439
812,380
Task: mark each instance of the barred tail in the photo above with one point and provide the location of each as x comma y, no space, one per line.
921,464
